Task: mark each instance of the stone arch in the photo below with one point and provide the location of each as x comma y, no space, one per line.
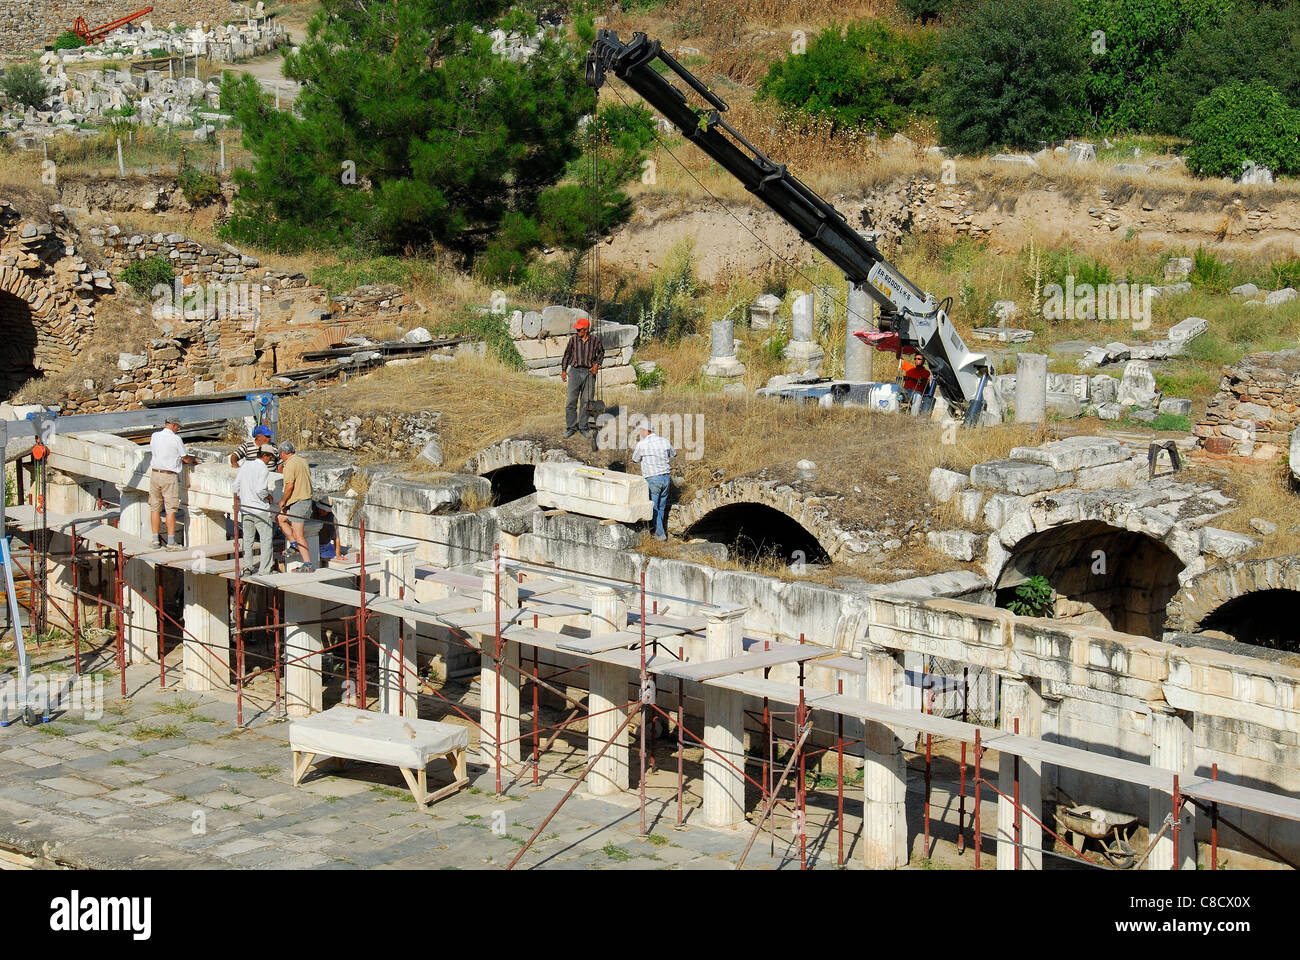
508,465
1247,591
1102,575
727,502
29,344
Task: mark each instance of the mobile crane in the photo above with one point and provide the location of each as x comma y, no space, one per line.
907,313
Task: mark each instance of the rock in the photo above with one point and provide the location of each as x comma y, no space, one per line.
1184,331
1016,476
131,361
1225,543
1103,388
1021,160
418,335
1262,526
1137,388
1176,406
1128,169
806,470
1252,174
1295,453
1143,416
957,544
1109,411
944,484
1176,268
1065,405
970,503
1081,152
1245,290
1073,453
432,452
1285,295
1003,334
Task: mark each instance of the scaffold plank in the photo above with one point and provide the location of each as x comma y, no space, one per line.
775,655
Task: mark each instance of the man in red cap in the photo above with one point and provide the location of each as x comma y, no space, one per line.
584,353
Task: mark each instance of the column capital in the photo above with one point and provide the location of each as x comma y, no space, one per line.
397,546
726,612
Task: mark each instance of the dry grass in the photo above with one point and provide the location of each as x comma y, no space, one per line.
482,401
1262,491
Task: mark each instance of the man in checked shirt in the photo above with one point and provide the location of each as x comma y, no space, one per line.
584,353
653,453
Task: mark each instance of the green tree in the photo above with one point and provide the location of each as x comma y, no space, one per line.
1259,44
1127,43
1008,78
24,85
411,130
68,41
868,75
1240,122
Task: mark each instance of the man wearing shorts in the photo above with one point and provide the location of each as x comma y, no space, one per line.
295,504
167,452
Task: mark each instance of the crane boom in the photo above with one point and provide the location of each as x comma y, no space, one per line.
919,321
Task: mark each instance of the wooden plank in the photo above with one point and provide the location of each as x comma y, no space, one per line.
689,624
287,581
843,664
452,578
544,585
24,516
601,642
532,637
103,535
775,655
187,555
1244,798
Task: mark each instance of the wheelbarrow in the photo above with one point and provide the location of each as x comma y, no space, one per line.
1084,822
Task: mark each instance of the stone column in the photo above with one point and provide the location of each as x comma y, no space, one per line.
398,680
205,651
1031,388
1171,748
510,686
64,497
303,689
884,774
861,316
140,617
802,353
609,689
1021,702
722,353
724,724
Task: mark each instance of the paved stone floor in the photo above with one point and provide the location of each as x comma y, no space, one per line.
166,779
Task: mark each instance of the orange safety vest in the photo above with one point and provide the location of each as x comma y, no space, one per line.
915,376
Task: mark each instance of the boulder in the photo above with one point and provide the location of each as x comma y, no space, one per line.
945,484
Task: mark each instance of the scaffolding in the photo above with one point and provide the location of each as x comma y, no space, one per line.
652,650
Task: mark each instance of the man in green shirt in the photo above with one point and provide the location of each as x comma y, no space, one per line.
295,504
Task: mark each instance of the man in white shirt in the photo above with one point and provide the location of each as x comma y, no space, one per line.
653,453
255,510
167,452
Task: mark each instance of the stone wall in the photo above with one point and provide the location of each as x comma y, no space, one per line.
1256,409
47,294
541,336
28,24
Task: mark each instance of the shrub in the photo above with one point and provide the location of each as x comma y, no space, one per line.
24,85
1033,598
1209,271
1240,122
68,41
144,275
670,312
1261,43
1008,79
1136,39
650,379
866,76
199,188
927,11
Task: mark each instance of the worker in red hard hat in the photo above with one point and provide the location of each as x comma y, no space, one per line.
584,354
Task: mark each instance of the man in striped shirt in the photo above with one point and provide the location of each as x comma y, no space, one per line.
252,449
653,453
584,353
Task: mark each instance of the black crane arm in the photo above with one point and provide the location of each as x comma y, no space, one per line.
918,319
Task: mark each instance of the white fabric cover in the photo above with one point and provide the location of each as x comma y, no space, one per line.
376,737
